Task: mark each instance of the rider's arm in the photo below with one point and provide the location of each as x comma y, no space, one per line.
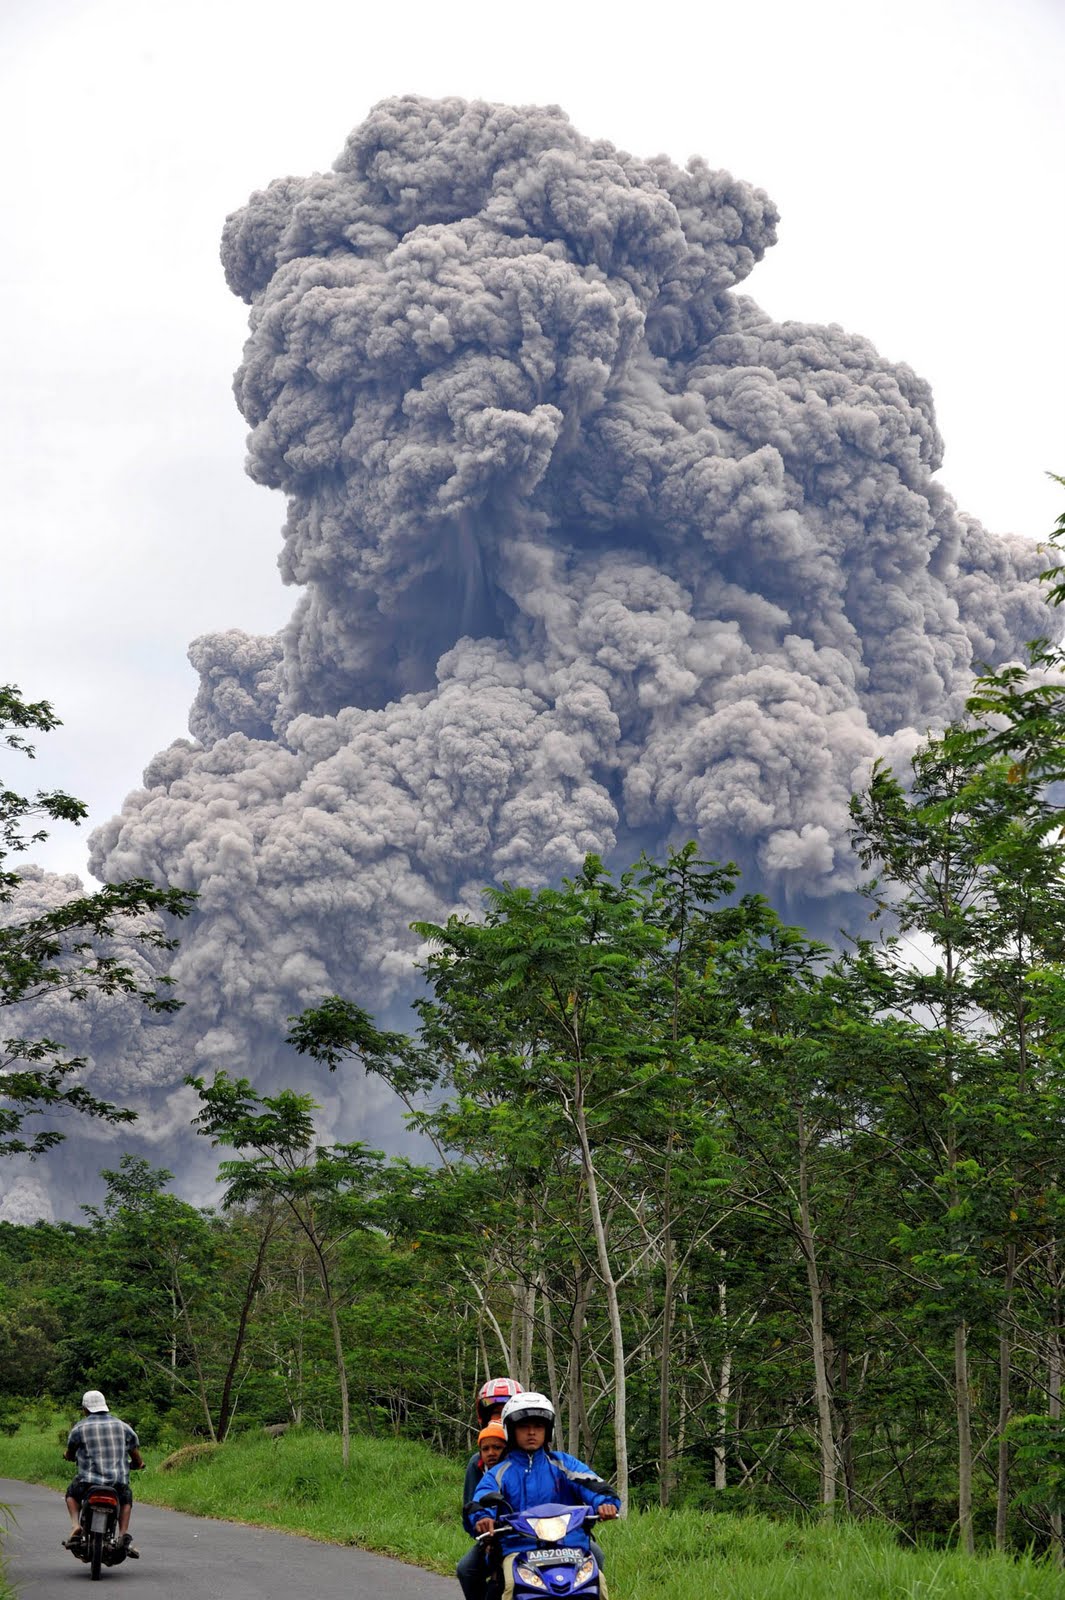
485,1501
70,1454
136,1460
587,1483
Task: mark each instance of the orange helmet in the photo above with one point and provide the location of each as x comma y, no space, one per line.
492,1430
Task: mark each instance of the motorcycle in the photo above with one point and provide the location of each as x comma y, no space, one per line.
553,1567
100,1544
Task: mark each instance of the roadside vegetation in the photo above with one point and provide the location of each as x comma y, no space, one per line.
401,1499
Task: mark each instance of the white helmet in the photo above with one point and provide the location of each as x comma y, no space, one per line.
529,1407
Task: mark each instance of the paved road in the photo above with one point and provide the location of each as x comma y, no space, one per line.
197,1559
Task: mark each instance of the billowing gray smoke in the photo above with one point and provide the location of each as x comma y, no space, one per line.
593,555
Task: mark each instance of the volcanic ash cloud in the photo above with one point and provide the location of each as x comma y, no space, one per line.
593,554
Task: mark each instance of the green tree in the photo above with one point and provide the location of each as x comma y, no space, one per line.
325,1189
67,951
546,997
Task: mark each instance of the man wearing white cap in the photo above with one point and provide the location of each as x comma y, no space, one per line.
104,1448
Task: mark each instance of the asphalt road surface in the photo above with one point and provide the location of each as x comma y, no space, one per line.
198,1559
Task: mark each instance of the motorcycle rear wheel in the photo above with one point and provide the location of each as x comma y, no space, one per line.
96,1550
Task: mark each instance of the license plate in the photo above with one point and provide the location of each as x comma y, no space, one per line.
550,1558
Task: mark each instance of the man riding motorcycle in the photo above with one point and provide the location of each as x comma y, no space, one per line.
104,1448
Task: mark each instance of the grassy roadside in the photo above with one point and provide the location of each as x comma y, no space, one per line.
6,1590
401,1499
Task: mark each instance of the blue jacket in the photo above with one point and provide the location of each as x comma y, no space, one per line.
547,1477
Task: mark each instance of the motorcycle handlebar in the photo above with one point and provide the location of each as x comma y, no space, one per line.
503,1526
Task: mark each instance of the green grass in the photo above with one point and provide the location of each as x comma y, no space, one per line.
401,1499
6,1590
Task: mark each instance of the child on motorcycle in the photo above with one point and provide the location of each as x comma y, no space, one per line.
491,1443
532,1474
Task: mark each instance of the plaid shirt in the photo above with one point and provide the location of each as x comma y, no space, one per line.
103,1443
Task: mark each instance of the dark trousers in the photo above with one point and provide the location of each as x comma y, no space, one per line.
79,1489
472,1573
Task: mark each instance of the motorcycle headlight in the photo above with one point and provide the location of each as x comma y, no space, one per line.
549,1529
527,1575
584,1571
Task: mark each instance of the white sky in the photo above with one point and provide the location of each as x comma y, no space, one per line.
916,152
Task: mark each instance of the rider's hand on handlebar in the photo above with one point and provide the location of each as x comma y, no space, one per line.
484,1525
606,1510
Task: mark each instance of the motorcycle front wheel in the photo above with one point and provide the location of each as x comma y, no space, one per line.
96,1551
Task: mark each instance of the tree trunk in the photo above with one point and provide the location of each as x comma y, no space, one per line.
665,1466
528,1315
549,1358
846,1434
575,1382
965,1440
297,1409
307,1223
225,1408
617,1337
514,1367
822,1392
1005,1362
724,1389
342,1379
194,1352
1054,1400
963,1417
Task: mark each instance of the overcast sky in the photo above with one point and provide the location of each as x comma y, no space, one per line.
916,152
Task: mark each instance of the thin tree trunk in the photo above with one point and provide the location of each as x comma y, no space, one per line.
225,1408
617,1337
1005,1342
822,1391
342,1378
724,1388
1054,1396
1005,1362
307,1223
682,1398
486,1312
846,1434
575,1381
965,1440
297,1410
665,1481
549,1357
194,1351
966,1537
514,1367
963,1416
528,1314
665,1468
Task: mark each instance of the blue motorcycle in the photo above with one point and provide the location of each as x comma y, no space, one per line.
554,1567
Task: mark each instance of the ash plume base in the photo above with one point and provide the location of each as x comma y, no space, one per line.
593,556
